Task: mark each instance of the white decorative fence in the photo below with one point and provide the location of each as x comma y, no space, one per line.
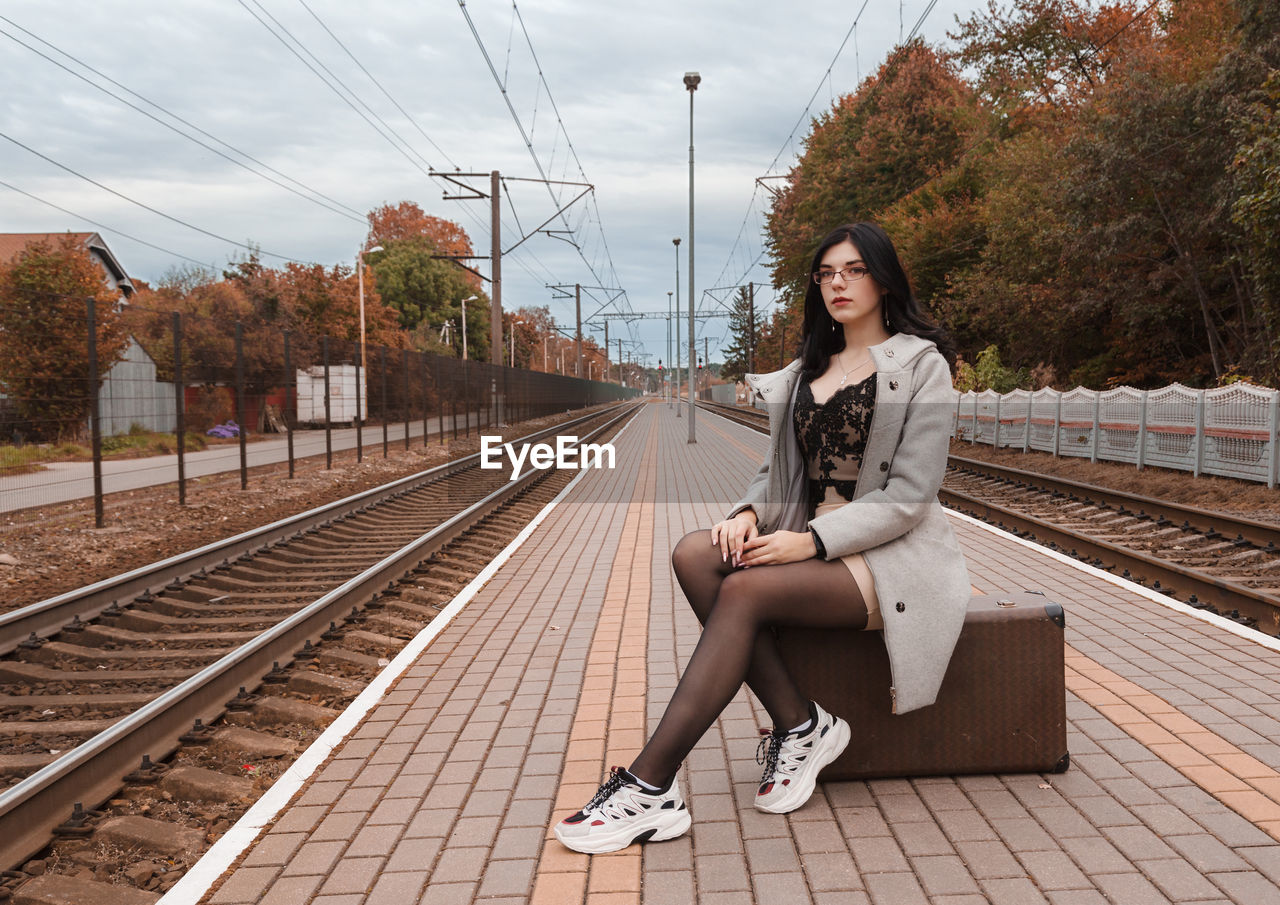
1230,431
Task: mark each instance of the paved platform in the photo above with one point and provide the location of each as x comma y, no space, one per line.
445,791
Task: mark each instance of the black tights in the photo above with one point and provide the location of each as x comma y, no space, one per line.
737,607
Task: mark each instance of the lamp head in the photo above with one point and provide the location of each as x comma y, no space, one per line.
691,80
676,242
471,298
370,251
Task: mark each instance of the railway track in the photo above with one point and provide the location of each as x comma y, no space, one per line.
1212,560
236,655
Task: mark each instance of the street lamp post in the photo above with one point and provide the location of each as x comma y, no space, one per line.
360,281
666,388
675,387
470,298
691,80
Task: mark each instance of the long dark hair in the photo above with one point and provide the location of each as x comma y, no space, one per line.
821,337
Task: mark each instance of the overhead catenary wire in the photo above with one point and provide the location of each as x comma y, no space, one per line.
791,137
524,134
402,147
147,207
351,98
110,229
333,204
375,81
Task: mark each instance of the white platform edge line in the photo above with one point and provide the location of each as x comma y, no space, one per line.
214,862
1132,586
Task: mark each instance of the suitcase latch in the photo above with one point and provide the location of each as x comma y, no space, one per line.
1006,603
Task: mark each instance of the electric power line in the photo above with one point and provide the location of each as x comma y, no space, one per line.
147,207
338,204
109,229
386,93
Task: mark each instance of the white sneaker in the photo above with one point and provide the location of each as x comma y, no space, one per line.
623,813
792,762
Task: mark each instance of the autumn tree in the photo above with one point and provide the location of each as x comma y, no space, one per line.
44,335
900,128
407,221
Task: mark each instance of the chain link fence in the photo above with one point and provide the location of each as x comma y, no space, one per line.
183,395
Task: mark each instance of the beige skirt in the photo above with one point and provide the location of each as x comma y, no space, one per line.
857,566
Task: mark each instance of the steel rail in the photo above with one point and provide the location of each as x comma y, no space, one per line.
1163,512
91,772
1168,578
47,617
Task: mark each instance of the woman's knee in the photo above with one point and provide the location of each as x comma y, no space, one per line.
693,551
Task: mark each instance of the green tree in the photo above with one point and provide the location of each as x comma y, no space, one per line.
737,354
44,335
423,289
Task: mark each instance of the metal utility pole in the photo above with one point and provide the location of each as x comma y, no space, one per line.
675,375
577,311
605,366
751,350
706,364
495,270
606,323
691,80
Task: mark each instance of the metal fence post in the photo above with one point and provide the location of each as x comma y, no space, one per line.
179,409
1057,425
359,404
328,412
404,366
95,425
995,439
1273,427
1142,431
1097,426
244,450
382,364
1200,403
290,392
1026,425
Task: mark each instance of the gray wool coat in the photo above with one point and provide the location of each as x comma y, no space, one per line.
895,519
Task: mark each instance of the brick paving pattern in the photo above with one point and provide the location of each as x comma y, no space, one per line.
511,716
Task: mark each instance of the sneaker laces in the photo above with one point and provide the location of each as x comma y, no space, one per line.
613,784
767,753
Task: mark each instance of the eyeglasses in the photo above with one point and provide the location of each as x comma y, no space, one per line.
856,272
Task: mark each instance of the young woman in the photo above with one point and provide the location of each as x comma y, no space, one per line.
841,528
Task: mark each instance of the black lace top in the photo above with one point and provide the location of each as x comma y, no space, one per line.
833,437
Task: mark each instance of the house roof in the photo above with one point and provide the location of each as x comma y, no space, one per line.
12,245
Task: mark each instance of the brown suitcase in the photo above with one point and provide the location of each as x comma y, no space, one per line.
1002,707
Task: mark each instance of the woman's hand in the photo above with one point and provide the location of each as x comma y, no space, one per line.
777,548
733,533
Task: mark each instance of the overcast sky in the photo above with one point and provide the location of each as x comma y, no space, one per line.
614,72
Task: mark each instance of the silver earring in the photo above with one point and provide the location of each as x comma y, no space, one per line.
886,318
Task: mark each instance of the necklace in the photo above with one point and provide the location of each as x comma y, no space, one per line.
846,374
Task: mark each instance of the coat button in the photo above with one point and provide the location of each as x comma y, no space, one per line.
900,607
884,466
893,384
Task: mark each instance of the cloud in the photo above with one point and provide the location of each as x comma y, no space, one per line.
615,75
